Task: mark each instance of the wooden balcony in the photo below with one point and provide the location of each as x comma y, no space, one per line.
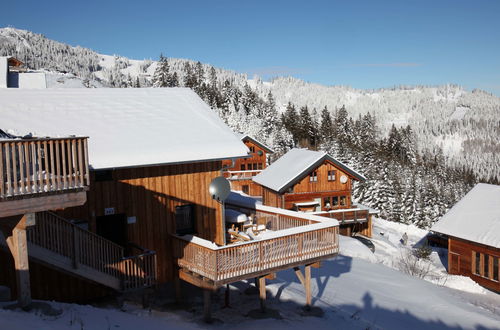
241,175
291,239
42,174
355,214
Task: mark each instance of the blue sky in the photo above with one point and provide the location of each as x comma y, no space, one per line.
364,44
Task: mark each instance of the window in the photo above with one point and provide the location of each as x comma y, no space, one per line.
313,177
335,201
242,167
485,265
252,149
259,166
326,203
331,175
477,269
245,189
254,166
343,201
184,219
495,268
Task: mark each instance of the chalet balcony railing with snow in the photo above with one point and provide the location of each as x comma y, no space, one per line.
37,166
357,213
242,175
290,239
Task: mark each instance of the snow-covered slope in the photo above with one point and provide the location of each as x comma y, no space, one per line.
353,294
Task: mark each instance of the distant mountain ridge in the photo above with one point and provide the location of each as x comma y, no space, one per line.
464,124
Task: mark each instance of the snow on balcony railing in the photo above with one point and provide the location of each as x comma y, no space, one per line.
291,238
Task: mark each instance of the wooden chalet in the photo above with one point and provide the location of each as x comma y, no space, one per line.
472,228
314,182
148,217
240,173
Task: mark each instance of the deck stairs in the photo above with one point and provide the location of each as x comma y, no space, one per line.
58,243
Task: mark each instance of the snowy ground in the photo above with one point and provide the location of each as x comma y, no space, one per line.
356,290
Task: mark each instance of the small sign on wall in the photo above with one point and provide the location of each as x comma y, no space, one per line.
109,211
131,220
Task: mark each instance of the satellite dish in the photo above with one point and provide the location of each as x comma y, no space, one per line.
219,188
343,179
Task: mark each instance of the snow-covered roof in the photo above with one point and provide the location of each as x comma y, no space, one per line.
476,217
245,137
126,127
293,165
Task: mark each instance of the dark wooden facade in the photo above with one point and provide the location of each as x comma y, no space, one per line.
149,196
479,262
240,175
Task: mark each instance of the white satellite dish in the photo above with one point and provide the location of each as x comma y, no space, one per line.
343,179
219,188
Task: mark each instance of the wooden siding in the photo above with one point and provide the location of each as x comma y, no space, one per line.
254,159
271,198
322,184
460,261
254,189
150,194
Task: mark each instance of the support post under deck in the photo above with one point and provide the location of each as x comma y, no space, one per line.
262,293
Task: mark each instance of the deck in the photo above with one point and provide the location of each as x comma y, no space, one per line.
37,174
292,239
241,175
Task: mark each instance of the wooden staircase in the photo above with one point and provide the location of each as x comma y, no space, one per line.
61,244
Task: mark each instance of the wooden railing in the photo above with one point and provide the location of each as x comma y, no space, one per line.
86,248
313,239
35,166
138,271
241,175
346,215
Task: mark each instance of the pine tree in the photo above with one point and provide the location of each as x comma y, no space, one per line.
161,74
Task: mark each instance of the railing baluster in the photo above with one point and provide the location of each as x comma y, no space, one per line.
8,168
2,182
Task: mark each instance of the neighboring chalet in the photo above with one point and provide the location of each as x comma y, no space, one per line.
14,75
473,230
312,181
240,173
148,217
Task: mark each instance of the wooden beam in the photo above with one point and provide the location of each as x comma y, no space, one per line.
262,293
316,264
207,305
299,275
40,203
18,246
271,276
307,285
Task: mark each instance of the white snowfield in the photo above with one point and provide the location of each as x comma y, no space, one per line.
352,292
126,127
292,165
476,217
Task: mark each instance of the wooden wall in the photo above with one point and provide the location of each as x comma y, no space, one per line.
271,198
255,158
304,185
254,189
49,284
150,194
460,261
